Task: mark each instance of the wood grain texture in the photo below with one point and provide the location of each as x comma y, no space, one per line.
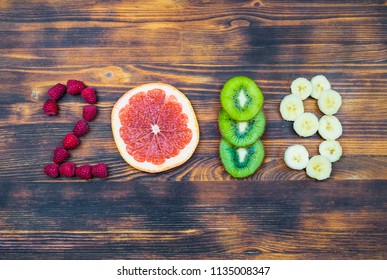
196,211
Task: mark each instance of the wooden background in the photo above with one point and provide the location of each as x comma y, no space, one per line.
196,211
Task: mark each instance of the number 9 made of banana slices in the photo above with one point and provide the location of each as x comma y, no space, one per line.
306,124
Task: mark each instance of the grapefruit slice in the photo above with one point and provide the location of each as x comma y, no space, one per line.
155,127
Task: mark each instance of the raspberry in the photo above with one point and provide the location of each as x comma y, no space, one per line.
80,128
89,112
57,91
83,172
60,155
88,94
70,141
74,87
52,170
50,107
67,169
99,170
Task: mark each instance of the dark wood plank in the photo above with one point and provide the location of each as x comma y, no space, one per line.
244,220
195,211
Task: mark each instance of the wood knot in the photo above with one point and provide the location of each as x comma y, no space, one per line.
35,94
259,4
253,252
239,22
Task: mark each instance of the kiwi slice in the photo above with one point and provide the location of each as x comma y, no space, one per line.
241,133
241,98
241,162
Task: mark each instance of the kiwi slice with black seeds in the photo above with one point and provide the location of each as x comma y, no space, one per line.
241,133
241,162
241,98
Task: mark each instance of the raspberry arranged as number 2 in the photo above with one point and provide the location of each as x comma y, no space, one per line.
60,165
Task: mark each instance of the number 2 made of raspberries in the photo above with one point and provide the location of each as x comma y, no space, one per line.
61,166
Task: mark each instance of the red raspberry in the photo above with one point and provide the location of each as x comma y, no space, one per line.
57,91
60,155
67,169
52,170
99,170
88,94
80,128
70,141
89,112
50,107
83,172
74,87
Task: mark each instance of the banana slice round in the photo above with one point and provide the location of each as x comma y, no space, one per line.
301,87
331,149
296,157
319,83
329,102
330,128
291,107
306,124
319,167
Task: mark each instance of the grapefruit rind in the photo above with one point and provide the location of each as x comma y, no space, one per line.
169,163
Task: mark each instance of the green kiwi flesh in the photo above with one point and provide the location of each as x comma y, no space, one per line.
241,162
241,133
241,98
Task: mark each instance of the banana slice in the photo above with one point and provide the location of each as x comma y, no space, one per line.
319,167
330,128
296,157
331,149
306,124
291,107
301,87
319,83
329,102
